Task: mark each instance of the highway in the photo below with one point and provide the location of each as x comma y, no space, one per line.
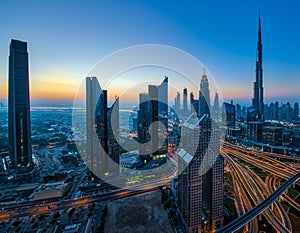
244,203
252,186
247,184
281,156
247,217
274,184
253,195
41,207
257,159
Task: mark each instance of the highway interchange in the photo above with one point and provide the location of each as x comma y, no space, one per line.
251,189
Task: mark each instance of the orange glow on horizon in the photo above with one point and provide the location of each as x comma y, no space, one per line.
53,90
66,89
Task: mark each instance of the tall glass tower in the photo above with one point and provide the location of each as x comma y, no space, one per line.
102,127
258,90
204,96
185,107
107,123
153,108
19,128
93,91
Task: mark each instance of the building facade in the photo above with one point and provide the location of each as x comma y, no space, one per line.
93,91
258,89
272,135
185,102
254,131
107,124
216,105
153,109
200,193
228,114
19,125
204,96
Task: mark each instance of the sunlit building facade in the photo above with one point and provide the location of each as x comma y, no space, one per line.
201,182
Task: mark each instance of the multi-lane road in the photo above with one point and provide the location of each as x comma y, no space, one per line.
251,190
46,206
254,195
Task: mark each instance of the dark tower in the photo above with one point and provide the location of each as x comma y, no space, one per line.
228,114
19,132
216,105
258,98
185,107
153,108
153,93
107,123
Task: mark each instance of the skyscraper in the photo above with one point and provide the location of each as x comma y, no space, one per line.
296,111
163,97
216,105
258,90
102,127
113,137
228,114
194,103
143,124
153,108
192,98
276,111
204,96
19,125
200,193
153,93
185,106
189,180
107,123
93,91
163,108
177,103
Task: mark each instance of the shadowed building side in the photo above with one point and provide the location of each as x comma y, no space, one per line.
19,125
102,124
153,120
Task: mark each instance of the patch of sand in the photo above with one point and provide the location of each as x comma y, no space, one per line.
138,214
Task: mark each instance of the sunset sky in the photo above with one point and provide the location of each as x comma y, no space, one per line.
67,38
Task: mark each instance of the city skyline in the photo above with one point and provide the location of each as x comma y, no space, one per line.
106,152
57,67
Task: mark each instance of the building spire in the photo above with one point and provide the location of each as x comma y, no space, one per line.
259,26
258,97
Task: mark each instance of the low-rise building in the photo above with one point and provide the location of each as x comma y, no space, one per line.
50,190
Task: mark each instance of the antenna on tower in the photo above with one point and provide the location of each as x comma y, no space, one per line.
204,70
259,16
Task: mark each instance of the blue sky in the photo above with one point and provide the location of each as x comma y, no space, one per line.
66,38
